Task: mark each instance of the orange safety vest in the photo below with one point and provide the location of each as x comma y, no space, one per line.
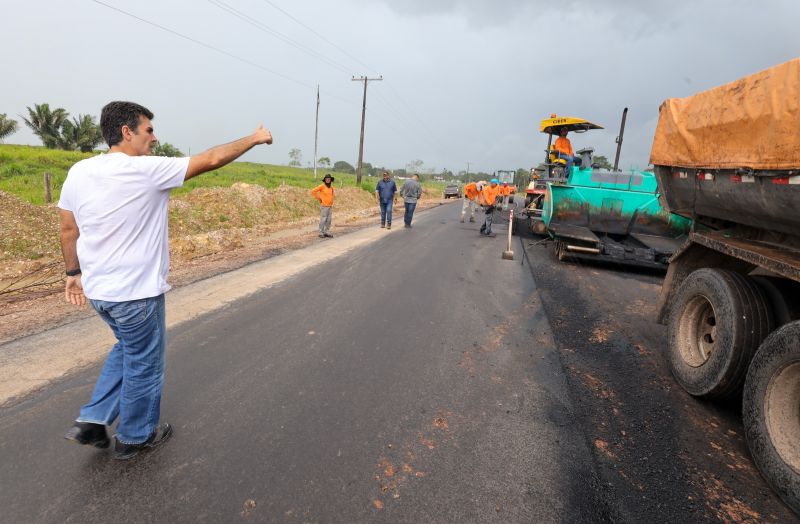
324,194
489,195
564,146
471,190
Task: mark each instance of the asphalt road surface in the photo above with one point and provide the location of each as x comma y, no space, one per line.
419,378
661,455
411,380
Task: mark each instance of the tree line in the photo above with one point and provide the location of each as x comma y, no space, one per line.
57,131
324,162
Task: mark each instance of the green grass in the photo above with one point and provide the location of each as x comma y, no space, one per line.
268,176
22,171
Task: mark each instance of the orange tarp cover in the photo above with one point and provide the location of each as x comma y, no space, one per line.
753,122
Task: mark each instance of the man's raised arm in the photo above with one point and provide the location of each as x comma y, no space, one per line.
219,156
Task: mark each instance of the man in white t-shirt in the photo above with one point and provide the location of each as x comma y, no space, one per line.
116,251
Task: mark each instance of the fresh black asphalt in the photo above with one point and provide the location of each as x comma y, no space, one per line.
661,455
411,380
418,379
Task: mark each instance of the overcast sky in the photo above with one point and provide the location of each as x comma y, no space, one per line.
464,80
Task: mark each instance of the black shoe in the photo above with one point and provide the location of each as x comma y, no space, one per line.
322,235
124,451
408,226
328,235
88,434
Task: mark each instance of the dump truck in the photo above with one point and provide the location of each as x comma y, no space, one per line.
729,160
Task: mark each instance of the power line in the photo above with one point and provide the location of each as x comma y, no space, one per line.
319,35
208,46
222,51
399,115
412,113
391,108
265,28
233,56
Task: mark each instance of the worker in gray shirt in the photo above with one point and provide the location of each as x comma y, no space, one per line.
411,192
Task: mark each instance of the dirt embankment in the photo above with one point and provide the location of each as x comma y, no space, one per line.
212,230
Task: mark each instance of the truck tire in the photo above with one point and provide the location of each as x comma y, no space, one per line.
770,412
716,323
784,297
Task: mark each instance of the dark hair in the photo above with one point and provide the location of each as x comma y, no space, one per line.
117,114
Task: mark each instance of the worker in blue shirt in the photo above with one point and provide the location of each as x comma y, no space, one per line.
385,195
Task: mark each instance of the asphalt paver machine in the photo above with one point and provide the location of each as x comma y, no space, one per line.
601,214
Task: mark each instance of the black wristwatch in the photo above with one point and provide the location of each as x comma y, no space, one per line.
73,272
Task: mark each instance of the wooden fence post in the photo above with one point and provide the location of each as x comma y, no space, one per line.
48,193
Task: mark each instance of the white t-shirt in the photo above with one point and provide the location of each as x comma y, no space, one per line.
120,204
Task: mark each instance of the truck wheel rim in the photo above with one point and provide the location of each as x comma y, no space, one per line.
697,331
782,406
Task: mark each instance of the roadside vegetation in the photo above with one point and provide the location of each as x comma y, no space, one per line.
219,211
22,169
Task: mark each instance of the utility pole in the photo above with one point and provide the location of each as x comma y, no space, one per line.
363,114
467,175
316,133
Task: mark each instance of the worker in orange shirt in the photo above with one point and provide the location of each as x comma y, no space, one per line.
506,192
488,198
564,150
471,193
324,193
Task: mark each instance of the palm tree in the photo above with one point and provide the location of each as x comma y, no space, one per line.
79,133
166,149
7,126
46,124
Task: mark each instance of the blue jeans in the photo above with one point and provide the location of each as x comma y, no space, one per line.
486,228
386,212
410,206
129,386
570,160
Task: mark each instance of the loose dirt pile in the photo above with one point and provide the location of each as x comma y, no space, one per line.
28,236
203,222
210,220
